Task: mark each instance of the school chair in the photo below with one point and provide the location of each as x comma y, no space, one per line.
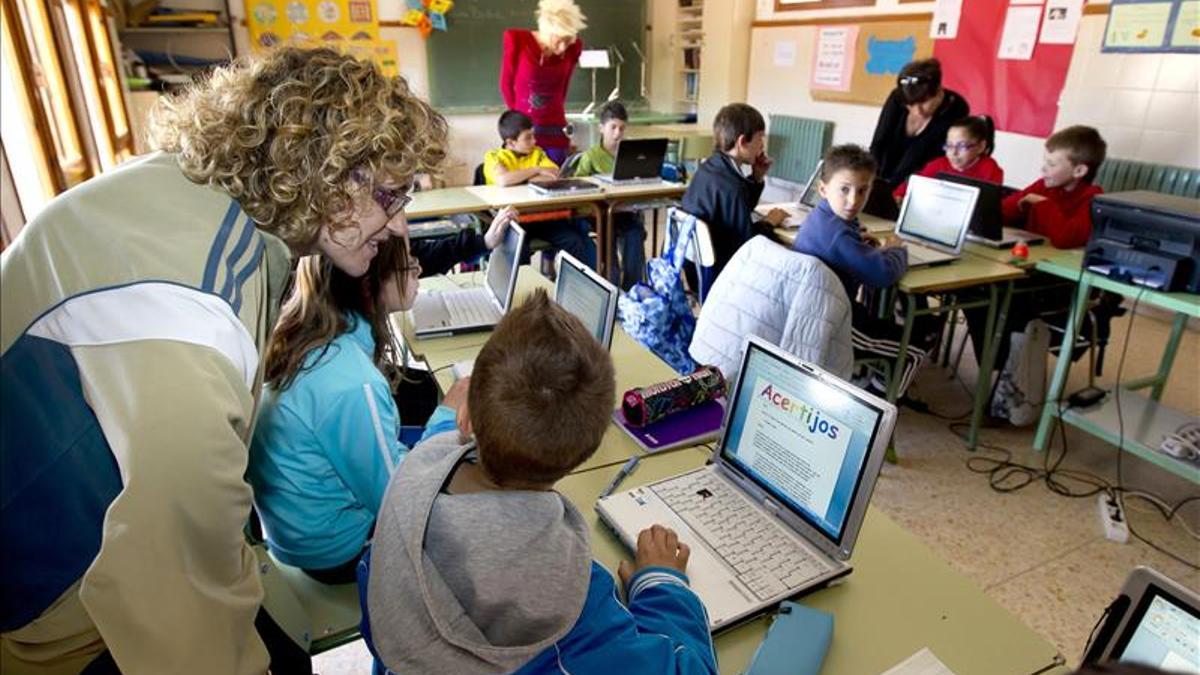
699,252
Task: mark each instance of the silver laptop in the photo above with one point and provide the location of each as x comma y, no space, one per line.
587,295
1155,621
934,220
638,161
811,197
563,187
477,308
779,509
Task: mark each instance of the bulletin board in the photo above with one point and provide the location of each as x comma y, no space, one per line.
882,50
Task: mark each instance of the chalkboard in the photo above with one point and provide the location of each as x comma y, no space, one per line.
464,61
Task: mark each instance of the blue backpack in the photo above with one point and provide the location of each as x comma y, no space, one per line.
656,314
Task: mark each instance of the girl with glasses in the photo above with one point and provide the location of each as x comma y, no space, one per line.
968,147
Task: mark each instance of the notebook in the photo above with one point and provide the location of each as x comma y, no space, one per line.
778,511
987,223
638,161
437,313
797,211
934,220
563,186
1154,621
693,426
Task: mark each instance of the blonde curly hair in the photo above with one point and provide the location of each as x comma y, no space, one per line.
560,17
282,134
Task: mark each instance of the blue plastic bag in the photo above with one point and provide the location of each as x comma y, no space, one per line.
656,314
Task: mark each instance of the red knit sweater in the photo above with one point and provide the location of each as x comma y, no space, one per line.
536,83
1064,217
985,169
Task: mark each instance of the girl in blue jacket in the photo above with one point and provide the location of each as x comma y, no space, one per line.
328,434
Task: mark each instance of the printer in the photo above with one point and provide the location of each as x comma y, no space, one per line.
1146,238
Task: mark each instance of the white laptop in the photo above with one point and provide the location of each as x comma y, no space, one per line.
1154,621
797,211
779,509
934,219
587,295
639,161
477,308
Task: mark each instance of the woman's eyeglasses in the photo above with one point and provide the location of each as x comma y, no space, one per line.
392,200
960,146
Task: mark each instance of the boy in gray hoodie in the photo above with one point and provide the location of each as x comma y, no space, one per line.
478,565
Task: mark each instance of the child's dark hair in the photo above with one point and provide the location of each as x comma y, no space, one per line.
980,128
1083,144
613,110
734,120
541,395
919,81
843,157
512,123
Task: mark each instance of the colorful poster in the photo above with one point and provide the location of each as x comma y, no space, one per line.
1186,35
273,22
1137,25
833,58
946,14
1020,33
1060,24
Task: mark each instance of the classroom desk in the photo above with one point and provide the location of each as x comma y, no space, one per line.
899,599
967,272
635,366
444,202
1143,420
1037,253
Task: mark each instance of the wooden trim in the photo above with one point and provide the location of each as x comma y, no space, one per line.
827,20
41,121
1090,8
824,4
82,6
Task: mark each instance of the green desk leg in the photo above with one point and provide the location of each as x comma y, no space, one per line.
893,385
993,334
1168,357
1063,365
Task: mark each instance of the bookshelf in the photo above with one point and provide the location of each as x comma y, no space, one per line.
176,39
688,39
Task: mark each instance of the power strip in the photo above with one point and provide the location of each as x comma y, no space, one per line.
1112,517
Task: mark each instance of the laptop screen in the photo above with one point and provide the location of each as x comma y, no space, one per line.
1164,632
937,211
802,440
501,263
586,296
811,196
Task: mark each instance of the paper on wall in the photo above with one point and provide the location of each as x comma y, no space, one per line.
1027,2
1020,33
944,25
1187,25
1060,24
785,53
1142,24
833,58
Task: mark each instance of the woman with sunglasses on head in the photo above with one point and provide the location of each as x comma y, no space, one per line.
328,436
914,120
136,309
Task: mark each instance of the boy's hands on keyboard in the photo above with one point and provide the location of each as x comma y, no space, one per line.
495,232
657,546
893,242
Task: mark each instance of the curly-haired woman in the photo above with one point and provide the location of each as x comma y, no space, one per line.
136,308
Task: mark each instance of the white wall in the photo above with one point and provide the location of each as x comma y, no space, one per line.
1147,106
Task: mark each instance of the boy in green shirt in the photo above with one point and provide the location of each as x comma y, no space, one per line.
600,158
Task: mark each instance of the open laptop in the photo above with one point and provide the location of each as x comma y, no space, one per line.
987,223
1155,621
477,308
778,511
934,220
563,186
639,160
587,295
797,211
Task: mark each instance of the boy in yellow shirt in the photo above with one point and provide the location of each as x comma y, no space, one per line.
520,160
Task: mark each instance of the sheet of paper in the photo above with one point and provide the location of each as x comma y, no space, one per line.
785,53
1132,25
945,19
1020,33
1187,25
1060,24
833,58
1027,2
923,662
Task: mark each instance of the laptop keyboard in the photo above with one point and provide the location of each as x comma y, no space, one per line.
469,308
762,555
922,254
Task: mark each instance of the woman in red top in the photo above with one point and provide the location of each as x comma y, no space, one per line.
968,147
536,70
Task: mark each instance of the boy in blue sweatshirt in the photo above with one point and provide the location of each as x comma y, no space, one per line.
832,233
479,565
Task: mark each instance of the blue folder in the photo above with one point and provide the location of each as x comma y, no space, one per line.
796,642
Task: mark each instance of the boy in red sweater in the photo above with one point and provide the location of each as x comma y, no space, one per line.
1059,205
968,147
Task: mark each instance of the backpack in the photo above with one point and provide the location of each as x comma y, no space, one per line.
656,314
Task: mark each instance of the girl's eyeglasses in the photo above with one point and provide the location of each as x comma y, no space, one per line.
961,146
392,200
